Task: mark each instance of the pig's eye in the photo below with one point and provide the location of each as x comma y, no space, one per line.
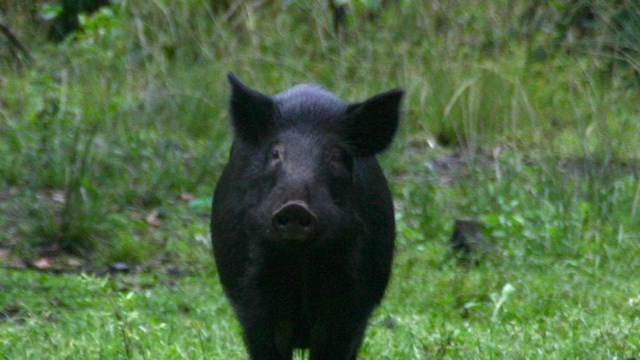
276,153
341,159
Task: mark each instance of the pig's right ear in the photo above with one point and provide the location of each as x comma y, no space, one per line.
252,113
369,126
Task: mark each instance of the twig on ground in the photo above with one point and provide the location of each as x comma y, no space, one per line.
15,42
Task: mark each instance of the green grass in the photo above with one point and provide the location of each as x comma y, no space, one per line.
127,122
569,253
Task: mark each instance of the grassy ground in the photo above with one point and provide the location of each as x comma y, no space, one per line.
110,146
559,284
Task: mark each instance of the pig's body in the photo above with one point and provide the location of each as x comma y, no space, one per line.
303,222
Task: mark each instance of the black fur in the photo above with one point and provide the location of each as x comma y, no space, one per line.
305,145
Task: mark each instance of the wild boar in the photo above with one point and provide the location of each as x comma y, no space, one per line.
303,223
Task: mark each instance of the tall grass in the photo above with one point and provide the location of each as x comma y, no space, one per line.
130,113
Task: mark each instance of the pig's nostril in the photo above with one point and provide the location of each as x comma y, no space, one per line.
305,221
282,220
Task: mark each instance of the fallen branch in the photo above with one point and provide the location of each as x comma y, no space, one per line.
15,42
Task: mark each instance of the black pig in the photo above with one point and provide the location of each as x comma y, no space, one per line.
303,223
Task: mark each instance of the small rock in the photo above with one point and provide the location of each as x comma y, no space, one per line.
186,197
59,196
43,264
153,219
119,268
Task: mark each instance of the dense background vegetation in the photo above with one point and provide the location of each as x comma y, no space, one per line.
522,114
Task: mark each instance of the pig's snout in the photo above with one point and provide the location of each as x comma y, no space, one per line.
294,221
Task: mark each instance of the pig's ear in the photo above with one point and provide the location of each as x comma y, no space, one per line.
252,113
370,125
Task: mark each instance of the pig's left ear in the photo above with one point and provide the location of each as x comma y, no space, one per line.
370,125
252,113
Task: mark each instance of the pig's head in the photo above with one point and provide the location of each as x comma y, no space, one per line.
299,158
